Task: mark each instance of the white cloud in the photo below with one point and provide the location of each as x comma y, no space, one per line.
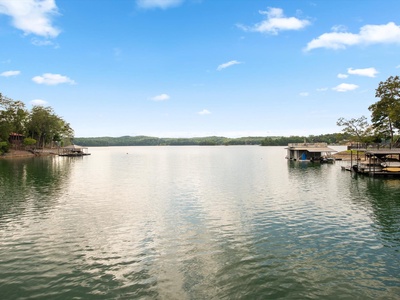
345,87
275,22
38,102
398,67
342,76
339,28
228,64
52,79
162,97
10,73
32,16
369,72
304,94
43,42
369,34
322,89
204,112
163,4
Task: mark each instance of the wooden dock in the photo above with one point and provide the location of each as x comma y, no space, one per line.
375,163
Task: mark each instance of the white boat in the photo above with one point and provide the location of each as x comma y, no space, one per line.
391,164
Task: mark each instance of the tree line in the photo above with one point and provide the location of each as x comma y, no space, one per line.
155,141
334,138
38,127
385,117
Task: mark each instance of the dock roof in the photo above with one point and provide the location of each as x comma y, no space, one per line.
74,147
310,147
382,152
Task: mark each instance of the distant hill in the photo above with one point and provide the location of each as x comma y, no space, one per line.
205,141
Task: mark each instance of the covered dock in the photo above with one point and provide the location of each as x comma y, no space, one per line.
382,162
309,152
73,150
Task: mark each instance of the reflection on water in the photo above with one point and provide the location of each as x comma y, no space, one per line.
195,222
30,183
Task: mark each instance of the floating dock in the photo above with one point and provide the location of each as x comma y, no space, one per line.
310,152
384,163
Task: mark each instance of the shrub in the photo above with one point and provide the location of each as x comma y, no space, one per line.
4,147
29,141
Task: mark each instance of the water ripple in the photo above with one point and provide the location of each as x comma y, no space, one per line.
196,223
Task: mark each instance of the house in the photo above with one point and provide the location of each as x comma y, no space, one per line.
16,140
309,151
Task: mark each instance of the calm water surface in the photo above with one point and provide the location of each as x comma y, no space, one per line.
195,223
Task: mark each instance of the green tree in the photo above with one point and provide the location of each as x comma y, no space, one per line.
357,128
13,117
4,147
386,112
46,127
29,142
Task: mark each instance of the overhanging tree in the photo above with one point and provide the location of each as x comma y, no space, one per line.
386,112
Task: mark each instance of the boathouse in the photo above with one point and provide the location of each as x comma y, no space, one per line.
380,162
74,150
308,151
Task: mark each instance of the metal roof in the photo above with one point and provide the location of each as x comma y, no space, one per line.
383,152
312,149
74,147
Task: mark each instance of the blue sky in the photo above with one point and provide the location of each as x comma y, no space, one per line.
183,68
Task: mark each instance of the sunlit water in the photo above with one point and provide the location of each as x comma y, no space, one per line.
237,222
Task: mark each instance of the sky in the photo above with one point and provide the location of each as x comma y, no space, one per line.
190,68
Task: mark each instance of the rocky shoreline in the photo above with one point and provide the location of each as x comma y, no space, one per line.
24,154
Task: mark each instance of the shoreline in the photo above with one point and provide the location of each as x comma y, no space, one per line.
346,156
12,154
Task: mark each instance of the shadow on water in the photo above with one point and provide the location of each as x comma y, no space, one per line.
298,167
384,200
306,174
33,180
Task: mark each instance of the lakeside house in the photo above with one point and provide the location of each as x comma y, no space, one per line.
309,151
16,140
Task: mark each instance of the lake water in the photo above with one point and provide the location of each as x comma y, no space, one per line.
237,222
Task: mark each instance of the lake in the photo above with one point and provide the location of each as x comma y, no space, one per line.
236,222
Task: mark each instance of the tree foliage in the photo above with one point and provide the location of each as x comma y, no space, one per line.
13,117
206,141
41,123
358,128
46,127
386,111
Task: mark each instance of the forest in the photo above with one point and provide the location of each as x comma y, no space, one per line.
335,138
38,127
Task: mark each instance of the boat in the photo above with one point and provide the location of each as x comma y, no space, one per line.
327,159
380,162
393,164
391,169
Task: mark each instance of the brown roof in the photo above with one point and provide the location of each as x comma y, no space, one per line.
15,134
